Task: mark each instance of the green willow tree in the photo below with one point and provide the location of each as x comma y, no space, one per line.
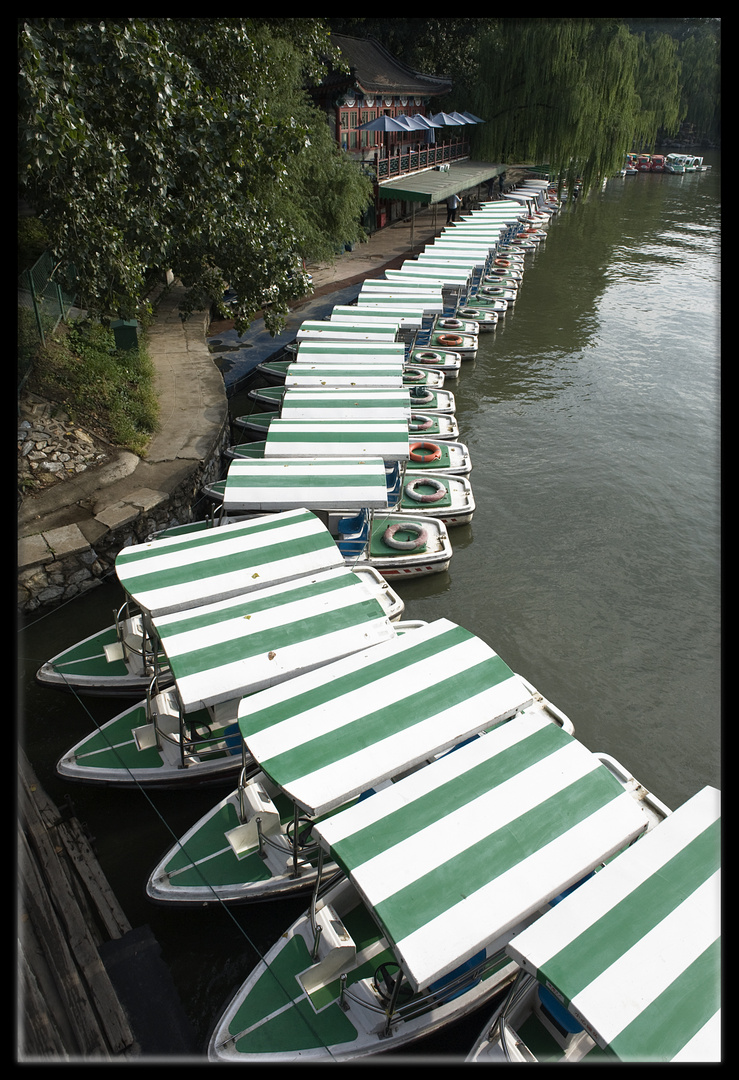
574,93
183,144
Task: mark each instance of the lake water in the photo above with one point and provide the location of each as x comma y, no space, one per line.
592,564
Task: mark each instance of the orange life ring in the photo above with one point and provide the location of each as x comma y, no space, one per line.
502,262
434,452
449,339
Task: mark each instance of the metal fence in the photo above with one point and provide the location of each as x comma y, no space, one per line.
42,304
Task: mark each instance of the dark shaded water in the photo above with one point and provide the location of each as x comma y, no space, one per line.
592,564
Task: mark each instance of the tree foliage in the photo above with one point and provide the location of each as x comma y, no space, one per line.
183,144
575,93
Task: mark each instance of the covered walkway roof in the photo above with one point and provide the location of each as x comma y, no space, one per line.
432,185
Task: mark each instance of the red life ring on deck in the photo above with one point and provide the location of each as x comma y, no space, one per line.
429,357
414,375
502,262
450,339
420,541
434,452
420,422
411,489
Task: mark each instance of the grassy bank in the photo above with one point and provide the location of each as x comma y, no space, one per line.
107,391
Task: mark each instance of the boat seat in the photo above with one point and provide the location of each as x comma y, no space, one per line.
557,1013
114,652
350,526
336,950
438,986
257,804
353,535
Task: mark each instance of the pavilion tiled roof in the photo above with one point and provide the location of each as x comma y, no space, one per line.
375,71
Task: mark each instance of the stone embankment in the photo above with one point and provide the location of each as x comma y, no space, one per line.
50,447
81,501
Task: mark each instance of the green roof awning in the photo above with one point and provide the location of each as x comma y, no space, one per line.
432,185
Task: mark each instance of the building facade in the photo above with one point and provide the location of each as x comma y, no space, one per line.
378,85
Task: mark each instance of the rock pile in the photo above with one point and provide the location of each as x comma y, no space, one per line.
50,447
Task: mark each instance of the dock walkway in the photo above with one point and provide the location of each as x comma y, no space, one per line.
76,996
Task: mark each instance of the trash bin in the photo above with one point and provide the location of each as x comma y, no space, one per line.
126,333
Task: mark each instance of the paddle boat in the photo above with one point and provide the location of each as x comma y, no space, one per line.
270,398
398,532
484,303
379,294
347,438
658,163
264,484
335,404
397,315
187,734
158,578
465,344
256,483
675,163
438,872
425,488
627,968
322,330
444,360
255,844
285,372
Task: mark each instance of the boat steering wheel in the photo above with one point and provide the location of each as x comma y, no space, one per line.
384,981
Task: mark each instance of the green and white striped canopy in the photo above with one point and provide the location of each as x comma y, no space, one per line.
352,314
176,572
335,733
459,853
373,403
376,351
422,273
635,953
219,652
370,285
357,373
429,302
327,331
315,483
467,260
399,314
387,439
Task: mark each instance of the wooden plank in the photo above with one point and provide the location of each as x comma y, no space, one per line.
84,1021
94,892
38,1030
96,884
56,898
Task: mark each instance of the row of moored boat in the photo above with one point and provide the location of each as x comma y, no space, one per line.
459,845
